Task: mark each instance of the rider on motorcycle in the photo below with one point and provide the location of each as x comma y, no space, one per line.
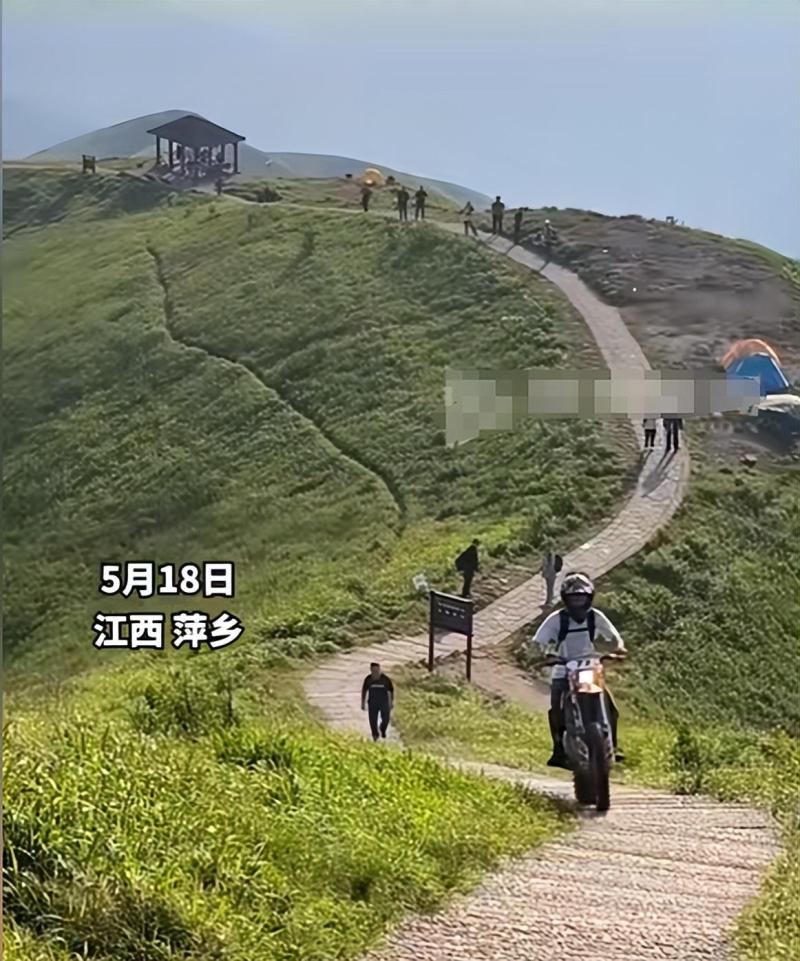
572,629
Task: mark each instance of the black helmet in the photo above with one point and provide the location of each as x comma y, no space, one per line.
577,593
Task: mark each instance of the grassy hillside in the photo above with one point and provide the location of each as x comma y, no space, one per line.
198,814
210,379
266,385
39,197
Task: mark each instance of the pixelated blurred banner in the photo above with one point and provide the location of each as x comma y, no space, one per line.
482,400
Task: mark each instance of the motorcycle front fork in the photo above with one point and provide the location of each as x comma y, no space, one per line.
580,710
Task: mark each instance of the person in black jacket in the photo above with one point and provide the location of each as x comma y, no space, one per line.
467,564
420,199
377,697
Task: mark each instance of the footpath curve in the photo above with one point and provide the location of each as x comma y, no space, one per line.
660,877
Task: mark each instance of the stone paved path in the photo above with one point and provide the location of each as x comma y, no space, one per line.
660,878
657,495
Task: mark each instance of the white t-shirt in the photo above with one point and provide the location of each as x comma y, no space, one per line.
577,642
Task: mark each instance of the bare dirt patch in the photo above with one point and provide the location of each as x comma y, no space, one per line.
684,294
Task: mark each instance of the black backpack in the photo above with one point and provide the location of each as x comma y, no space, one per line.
563,627
460,563
558,564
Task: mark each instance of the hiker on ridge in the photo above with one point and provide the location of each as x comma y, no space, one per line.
403,196
467,213
498,208
467,563
518,215
420,197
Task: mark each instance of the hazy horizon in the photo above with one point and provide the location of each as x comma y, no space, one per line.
619,106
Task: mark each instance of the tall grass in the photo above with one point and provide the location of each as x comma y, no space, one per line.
199,823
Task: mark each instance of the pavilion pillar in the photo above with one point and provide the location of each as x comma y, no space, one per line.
170,155
158,151
236,158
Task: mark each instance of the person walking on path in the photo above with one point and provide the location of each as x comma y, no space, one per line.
672,429
377,698
403,196
520,213
218,183
467,213
551,565
366,195
467,563
420,197
649,425
498,208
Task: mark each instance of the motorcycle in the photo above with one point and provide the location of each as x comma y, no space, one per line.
588,741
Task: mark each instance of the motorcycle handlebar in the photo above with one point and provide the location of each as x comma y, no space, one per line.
552,660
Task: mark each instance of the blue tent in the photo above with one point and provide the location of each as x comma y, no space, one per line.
764,368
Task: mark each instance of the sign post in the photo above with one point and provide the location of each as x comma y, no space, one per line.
453,614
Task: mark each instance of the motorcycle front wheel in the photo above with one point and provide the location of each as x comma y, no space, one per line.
584,787
598,763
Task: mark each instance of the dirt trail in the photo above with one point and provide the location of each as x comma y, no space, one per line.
660,878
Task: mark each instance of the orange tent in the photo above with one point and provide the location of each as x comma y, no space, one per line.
372,177
744,348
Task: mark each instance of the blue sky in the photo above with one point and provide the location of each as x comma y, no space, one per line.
684,107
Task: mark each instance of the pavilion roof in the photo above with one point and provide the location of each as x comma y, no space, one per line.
192,131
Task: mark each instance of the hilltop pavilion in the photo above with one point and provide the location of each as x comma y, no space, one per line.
197,145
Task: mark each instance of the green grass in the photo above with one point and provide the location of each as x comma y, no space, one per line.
37,198
266,385
180,814
212,380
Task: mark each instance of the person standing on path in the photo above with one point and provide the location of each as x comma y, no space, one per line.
649,425
498,208
420,197
403,196
672,429
467,563
366,195
677,427
377,698
551,565
519,214
467,213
